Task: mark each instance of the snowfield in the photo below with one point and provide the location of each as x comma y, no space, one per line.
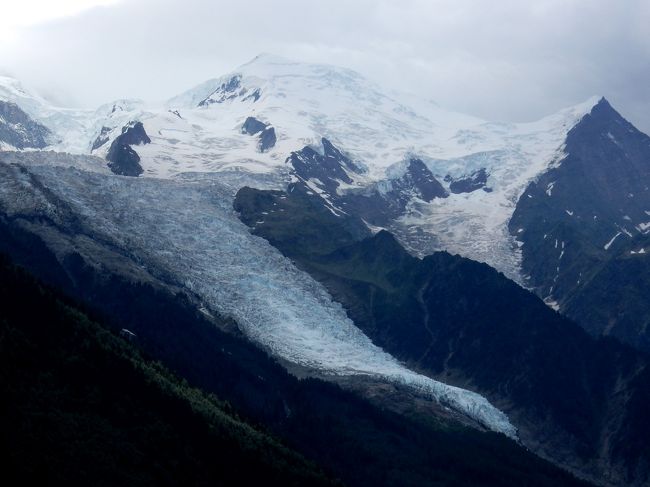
188,230
199,131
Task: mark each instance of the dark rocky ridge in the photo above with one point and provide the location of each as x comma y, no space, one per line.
254,95
568,218
230,90
19,130
227,90
385,201
476,180
101,138
309,216
267,137
418,181
253,126
329,169
378,204
134,134
123,160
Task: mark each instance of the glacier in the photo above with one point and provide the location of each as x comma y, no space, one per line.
187,231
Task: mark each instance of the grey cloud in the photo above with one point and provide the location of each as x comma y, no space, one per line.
504,59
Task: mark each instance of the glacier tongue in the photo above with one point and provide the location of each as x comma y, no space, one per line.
187,229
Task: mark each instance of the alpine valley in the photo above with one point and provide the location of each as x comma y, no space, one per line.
332,283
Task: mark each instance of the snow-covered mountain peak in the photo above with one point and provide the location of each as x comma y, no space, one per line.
201,129
291,105
273,80
268,65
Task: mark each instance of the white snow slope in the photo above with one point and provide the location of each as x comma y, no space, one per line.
187,228
305,102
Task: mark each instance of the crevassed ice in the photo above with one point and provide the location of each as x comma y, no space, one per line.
188,228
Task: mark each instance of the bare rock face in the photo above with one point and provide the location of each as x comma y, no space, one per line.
253,126
122,159
584,226
19,130
476,180
419,181
386,201
378,204
264,131
267,139
231,89
101,139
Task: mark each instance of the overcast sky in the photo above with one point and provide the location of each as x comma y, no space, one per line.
499,59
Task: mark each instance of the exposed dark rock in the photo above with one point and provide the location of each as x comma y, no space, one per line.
613,299
123,160
582,218
378,204
380,207
474,181
228,90
19,130
134,134
101,139
330,169
417,181
298,215
255,95
253,126
267,139
330,152
232,84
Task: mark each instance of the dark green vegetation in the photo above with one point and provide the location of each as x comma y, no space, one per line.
581,221
575,399
351,439
79,406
